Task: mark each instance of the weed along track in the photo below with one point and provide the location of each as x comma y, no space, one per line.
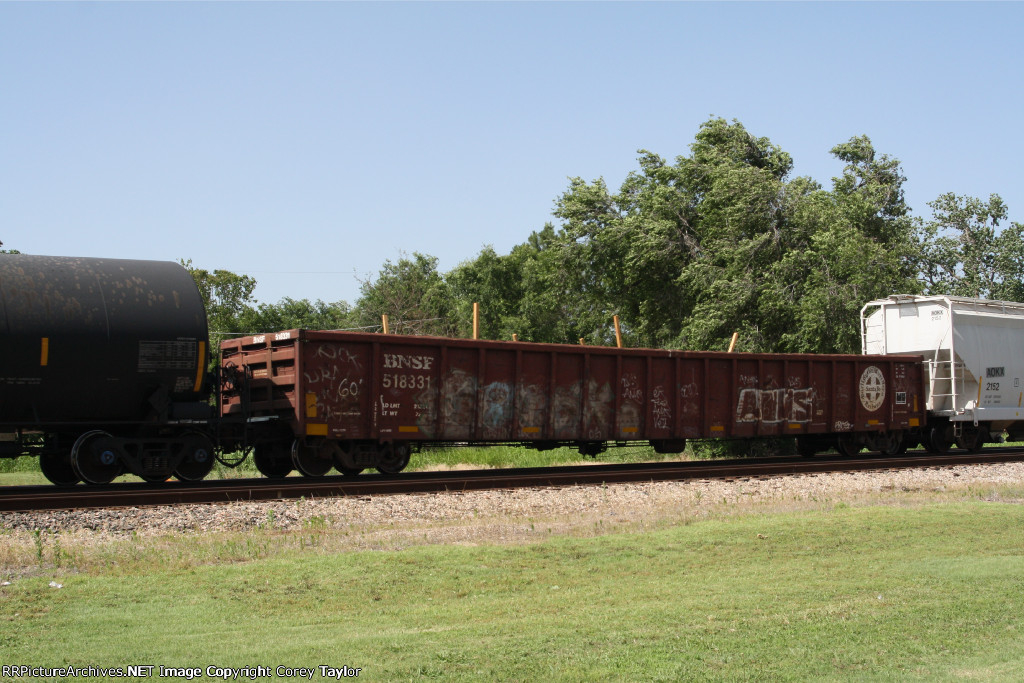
40,498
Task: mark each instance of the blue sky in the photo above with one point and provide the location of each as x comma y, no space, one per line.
305,143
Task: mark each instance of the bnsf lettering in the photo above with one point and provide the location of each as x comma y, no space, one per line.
395,360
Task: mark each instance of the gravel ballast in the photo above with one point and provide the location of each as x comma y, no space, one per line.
503,515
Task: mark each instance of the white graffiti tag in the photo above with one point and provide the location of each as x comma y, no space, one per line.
775,405
631,389
659,408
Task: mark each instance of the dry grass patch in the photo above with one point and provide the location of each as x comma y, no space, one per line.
240,532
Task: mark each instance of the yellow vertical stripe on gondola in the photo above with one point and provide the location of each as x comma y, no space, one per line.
199,366
44,357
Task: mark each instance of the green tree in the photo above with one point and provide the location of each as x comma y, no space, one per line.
228,299
532,292
493,281
682,250
847,246
965,253
291,313
724,240
411,293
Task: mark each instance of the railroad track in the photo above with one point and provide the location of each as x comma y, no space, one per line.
37,498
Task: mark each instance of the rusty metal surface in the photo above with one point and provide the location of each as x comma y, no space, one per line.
28,498
389,387
88,339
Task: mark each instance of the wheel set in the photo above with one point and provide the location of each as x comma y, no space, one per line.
94,458
277,458
98,457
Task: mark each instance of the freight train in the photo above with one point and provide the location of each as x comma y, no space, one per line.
104,370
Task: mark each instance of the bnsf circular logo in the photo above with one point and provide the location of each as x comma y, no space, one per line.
872,388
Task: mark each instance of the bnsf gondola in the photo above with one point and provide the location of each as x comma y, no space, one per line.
356,401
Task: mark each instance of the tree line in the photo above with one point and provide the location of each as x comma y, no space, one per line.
686,252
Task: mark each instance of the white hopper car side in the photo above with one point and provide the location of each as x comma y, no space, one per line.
974,362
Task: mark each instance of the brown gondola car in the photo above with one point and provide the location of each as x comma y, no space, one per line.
355,400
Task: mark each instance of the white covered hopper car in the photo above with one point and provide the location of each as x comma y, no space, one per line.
974,362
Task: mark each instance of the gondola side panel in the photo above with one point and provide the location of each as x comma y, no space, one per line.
410,390
337,388
497,396
599,404
631,411
567,394
532,404
661,398
691,393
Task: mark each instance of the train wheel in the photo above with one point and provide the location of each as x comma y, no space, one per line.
57,468
847,445
94,458
196,458
940,438
343,460
807,447
668,446
971,440
271,460
890,443
311,462
393,458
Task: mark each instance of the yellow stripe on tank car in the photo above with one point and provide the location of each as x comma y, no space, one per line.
44,356
199,367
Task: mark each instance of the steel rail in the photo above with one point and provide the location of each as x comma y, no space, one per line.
40,498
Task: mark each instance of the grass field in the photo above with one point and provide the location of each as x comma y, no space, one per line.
926,587
934,592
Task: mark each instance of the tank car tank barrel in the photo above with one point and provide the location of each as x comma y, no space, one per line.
94,339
